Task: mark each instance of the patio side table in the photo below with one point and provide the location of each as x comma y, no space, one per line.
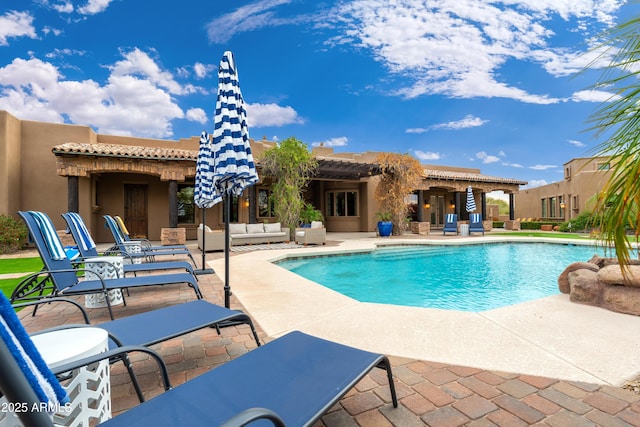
89,387
464,229
107,267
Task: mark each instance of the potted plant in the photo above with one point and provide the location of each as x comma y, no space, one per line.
308,214
385,226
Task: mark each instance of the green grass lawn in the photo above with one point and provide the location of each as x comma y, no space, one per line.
20,265
17,265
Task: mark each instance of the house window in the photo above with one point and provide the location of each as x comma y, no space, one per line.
604,166
265,205
543,208
185,204
342,203
567,172
552,207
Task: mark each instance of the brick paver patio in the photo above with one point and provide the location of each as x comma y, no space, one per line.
429,393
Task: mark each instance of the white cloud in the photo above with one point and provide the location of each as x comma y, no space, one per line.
340,141
426,155
513,165
63,7
196,115
416,130
139,63
203,70
16,24
94,6
468,121
542,167
594,96
458,48
246,18
576,143
486,158
131,102
534,183
260,115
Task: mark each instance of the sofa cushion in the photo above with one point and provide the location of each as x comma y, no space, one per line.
316,224
238,228
255,228
272,228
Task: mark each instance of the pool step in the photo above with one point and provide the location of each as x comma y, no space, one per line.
405,253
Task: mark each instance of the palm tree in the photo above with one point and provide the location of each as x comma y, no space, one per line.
618,121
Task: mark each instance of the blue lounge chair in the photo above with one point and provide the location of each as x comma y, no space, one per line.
87,249
152,327
143,248
59,276
450,224
475,223
292,381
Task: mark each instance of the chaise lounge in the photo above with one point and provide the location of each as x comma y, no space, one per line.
292,381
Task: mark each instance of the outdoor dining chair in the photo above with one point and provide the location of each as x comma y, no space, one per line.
293,381
60,275
87,249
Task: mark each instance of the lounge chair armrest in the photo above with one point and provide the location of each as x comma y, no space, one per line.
52,300
117,353
252,414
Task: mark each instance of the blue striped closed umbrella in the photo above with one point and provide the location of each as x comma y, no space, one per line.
203,191
471,202
233,166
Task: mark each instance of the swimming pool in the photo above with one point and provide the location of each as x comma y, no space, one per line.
475,277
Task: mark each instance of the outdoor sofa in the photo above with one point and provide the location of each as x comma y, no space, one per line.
243,234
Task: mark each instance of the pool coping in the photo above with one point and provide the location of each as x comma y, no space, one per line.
551,337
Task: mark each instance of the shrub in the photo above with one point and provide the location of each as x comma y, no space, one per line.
12,234
582,222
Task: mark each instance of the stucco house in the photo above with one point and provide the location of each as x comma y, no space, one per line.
584,178
55,168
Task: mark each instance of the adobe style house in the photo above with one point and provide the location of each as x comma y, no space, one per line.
56,168
560,201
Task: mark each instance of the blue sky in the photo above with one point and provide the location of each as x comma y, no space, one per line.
469,83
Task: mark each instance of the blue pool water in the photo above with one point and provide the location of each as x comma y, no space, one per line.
462,277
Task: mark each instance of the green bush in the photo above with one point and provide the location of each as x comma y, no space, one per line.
583,222
12,234
498,224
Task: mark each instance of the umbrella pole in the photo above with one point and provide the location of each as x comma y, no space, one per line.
204,269
227,287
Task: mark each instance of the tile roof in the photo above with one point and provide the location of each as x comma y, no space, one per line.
128,151
467,176
330,168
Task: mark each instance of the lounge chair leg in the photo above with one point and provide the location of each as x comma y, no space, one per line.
247,321
134,380
386,365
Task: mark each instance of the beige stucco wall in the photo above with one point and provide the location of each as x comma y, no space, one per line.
10,151
582,181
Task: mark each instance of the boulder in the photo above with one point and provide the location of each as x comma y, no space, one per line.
622,299
613,275
585,287
563,279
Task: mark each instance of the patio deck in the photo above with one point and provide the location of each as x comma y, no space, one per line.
431,391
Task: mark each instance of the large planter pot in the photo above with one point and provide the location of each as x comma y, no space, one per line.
385,228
